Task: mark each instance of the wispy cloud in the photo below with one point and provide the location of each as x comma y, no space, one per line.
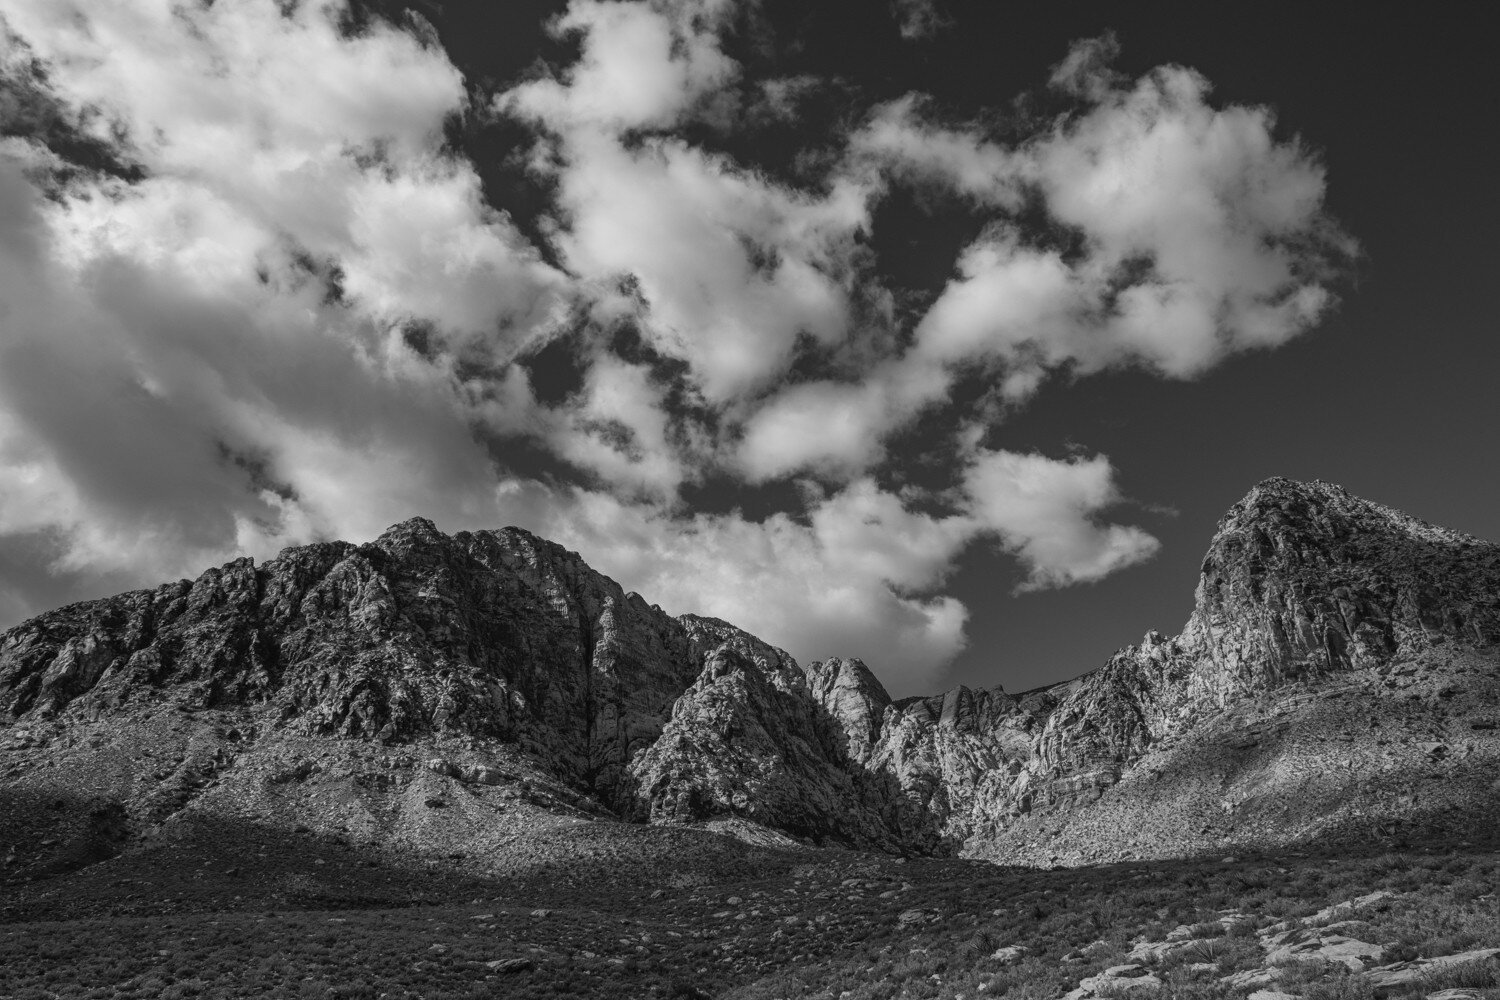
919,19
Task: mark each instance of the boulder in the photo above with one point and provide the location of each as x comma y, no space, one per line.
1302,946
1115,980
1154,951
1250,977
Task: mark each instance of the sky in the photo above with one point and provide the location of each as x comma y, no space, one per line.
934,333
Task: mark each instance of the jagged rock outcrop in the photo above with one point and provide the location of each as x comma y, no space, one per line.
541,680
1301,581
746,740
852,697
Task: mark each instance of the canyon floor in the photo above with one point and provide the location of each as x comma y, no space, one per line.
600,909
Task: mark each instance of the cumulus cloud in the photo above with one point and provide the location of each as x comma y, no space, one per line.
1201,234
207,358
166,426
857,574
286,310
730,268
619,429
261,129
1045,511
1194,235
642,66
855,577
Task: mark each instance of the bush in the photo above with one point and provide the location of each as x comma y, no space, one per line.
1478,975
1208,949
1344,988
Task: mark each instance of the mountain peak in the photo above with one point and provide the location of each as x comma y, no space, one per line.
411,529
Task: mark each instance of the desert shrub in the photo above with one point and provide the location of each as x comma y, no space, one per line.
1207,949
1342,988
1293,974
976,946
1248,956
1477,975
1429,933
1199,991
1469,888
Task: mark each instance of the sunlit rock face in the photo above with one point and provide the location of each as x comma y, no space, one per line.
1316,612
1300,583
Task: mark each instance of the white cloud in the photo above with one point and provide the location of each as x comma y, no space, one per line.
1202,235
619,429
853,579
1086,71
178,384
861,573
642,66
161,419
262,131
836,429
829,427
1221,212
897,141
731,268
1006,296
1045,511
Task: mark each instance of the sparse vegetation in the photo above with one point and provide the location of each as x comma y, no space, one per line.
820,925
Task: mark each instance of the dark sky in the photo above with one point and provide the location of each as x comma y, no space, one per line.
698,310
1392,396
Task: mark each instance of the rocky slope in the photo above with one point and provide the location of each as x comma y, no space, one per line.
461,692
494,634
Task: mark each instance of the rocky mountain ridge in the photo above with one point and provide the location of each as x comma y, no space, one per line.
512,665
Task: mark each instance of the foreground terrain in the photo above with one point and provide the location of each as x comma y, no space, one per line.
605,910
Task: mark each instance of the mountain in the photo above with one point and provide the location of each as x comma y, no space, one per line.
1337,678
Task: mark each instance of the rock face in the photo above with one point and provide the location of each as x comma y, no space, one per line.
494,634
1301,582
504,641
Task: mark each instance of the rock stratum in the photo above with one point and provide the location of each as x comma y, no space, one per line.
1338,677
